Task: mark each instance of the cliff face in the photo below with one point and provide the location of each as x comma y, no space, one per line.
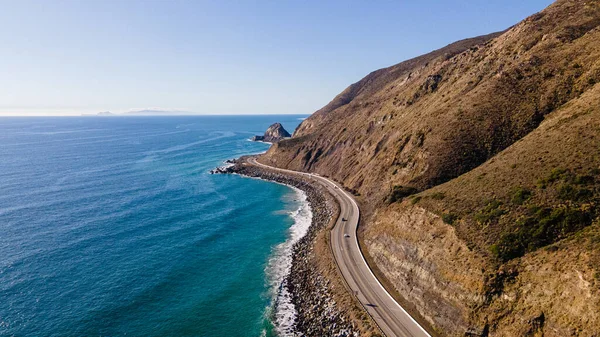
274,134
496,141
514,244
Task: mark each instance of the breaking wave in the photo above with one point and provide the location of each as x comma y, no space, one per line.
282,311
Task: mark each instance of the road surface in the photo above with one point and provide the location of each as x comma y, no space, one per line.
392,319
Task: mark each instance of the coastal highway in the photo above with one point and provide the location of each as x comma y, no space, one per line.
392,319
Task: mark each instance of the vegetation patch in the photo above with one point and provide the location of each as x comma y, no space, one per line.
438,196
490,213
566,176
554,175
583,179
400,192
572,193
520,195
572,187
539,225
449,218
544,227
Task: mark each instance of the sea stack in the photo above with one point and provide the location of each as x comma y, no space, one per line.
274,134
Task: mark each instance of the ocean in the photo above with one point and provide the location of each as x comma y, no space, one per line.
113,226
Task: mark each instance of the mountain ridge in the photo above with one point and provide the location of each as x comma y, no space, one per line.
428,146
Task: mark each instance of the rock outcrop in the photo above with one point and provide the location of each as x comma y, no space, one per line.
274,134
227,168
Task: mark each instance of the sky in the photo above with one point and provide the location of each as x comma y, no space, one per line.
219,57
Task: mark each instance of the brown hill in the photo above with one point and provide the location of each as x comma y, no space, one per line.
500,133
435,117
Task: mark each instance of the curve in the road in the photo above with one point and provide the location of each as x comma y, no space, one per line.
391,318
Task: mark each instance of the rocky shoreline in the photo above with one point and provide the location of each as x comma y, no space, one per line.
317,311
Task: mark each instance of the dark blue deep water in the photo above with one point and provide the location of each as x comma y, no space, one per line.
112,226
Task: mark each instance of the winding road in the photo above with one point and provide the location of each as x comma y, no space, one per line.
391,318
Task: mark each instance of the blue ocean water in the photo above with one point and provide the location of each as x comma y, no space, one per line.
112,226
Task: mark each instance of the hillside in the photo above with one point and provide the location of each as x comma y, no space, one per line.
478,166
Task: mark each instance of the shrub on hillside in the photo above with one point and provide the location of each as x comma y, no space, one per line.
520,195
545,227
555,174
490,212
572,193
400,192
438,196
449,218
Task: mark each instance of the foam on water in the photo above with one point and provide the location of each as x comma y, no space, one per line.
282,310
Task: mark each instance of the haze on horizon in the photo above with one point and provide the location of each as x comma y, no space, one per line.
82,57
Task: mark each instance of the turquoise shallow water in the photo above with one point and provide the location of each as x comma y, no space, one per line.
113,226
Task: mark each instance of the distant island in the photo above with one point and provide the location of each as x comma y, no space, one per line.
158,112
274,134
102,113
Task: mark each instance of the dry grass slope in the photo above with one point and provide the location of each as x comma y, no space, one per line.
484,154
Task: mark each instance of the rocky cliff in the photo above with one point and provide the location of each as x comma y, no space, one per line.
478,167
274,134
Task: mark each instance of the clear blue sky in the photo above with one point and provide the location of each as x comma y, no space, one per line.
218,57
